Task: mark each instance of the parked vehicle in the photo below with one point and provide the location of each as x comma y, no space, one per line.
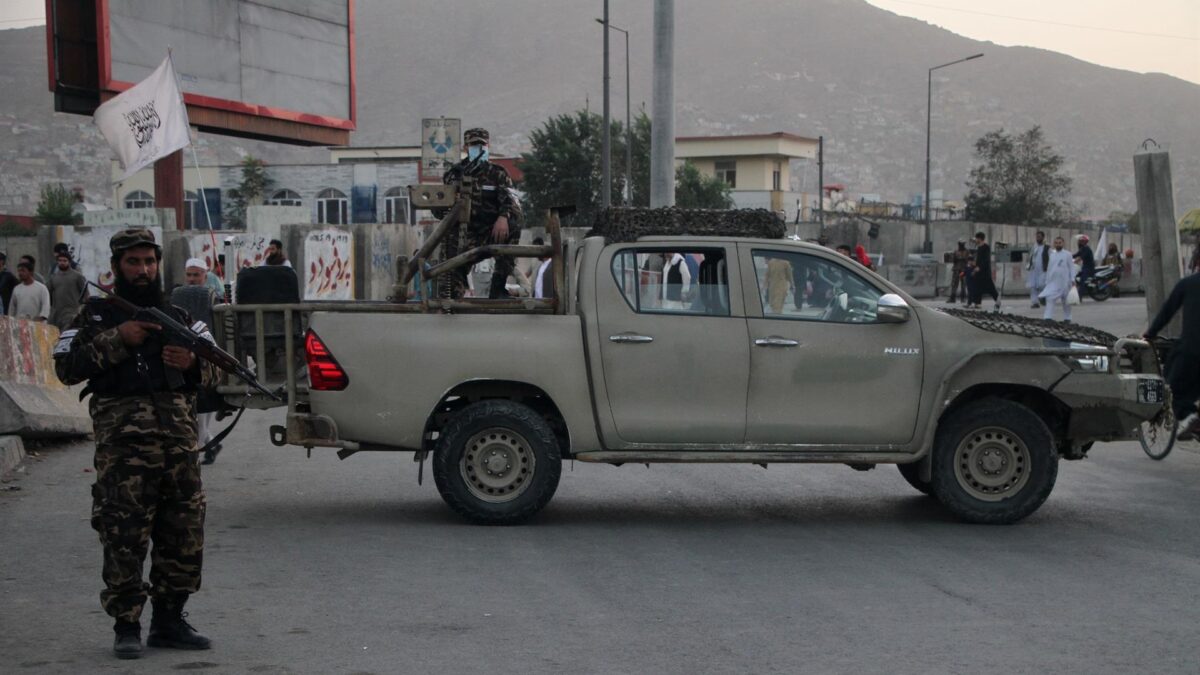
1103,284
975,408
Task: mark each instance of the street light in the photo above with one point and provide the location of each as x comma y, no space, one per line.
628,129
928,248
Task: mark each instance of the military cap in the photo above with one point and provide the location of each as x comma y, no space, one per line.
476,135
126,239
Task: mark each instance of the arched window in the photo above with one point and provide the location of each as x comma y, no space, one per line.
139,199
285,198
395,206
332,207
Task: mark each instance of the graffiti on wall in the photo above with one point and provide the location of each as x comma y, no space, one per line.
247,250
381,253
329,265
201,246
28,347
89,249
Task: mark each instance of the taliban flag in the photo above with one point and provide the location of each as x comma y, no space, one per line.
146,122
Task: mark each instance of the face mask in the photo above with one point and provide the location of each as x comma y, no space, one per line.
477,152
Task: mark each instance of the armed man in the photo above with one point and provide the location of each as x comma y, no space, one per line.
147,486
495,210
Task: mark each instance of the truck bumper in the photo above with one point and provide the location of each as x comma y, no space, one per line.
310,431
1107,407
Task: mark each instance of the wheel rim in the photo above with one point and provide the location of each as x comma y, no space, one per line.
497,465
991,464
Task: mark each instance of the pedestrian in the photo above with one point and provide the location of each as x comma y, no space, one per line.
67,289
148,488
543,283
196,274
1060,277
1112,256
495,212
982,276
275,255
1087,262
1039,261
59,248
1183,366
30,299
779,282
860,254
33,264
958,269
8,281
677,281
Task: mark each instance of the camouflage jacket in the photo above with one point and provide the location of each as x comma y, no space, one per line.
91,350
494,198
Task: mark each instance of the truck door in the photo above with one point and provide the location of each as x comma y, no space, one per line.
673,344
823,369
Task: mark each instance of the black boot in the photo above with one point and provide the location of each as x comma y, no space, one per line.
168,628
128,643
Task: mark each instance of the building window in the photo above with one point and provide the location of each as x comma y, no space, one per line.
777,178
139,199
727,171
332,207
192,211
284,198
395,206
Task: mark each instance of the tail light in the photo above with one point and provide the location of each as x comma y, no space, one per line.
324,373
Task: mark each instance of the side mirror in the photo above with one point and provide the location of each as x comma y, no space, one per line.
892,309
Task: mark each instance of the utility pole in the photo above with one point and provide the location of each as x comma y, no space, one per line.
627,193
928,245
821,181
605,160
662,132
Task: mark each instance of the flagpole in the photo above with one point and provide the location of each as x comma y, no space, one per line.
196,163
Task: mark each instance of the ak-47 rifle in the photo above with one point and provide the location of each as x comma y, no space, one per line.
175,333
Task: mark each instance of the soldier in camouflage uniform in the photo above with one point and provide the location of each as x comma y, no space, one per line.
147,477
495,212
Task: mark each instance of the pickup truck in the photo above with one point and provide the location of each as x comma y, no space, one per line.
771,350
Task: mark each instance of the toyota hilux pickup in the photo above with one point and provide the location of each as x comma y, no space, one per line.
713,349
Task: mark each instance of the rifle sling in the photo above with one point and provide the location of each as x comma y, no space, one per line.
224,432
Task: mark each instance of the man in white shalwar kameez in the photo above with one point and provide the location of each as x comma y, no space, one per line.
1060,278
1039,259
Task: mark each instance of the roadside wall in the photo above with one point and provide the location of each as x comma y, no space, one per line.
33,402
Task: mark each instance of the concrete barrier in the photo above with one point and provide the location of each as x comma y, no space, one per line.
12,451
33,402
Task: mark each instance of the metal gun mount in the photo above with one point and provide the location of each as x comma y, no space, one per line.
432,196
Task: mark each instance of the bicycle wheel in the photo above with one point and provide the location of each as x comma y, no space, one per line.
1157,436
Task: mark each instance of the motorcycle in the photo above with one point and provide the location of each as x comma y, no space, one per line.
1103,283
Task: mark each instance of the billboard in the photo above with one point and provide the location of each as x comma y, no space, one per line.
440,146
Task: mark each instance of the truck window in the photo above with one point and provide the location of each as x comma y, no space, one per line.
677,281
809,288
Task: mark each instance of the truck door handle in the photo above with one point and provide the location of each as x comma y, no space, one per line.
630,337
776,342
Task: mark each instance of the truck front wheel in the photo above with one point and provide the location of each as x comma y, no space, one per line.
994,461
497,463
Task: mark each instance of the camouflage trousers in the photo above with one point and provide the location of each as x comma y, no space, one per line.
474,237
148,491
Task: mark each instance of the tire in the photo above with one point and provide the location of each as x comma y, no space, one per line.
1158,436
509,439
994,462
1100,293
912,474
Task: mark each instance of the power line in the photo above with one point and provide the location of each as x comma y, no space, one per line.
1046,22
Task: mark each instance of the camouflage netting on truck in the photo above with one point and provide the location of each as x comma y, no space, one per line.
623,224
1034,328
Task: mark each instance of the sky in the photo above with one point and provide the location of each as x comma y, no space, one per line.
1160,36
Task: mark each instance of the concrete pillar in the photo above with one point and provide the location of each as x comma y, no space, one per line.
1161,264
662,123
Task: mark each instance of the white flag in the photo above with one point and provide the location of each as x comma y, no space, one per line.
146,122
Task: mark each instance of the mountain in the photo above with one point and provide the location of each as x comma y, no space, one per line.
843,69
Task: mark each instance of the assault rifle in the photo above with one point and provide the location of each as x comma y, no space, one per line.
175,333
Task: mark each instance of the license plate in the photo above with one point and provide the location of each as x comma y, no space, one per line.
1150,391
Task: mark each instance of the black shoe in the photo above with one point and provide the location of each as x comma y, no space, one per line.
169,629
128,642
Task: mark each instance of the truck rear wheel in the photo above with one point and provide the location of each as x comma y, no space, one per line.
994,462
497,463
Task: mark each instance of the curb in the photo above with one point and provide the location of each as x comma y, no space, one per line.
12,451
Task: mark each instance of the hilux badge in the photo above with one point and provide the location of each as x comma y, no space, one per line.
902,351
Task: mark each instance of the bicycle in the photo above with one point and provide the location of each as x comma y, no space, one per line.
1159,435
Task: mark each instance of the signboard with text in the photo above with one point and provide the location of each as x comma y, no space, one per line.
441,140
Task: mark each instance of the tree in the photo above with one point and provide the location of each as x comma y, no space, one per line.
54,208
1018,181
254,184
694,190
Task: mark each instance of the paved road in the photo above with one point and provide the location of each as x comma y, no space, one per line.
321,566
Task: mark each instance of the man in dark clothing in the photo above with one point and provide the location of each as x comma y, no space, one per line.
982,276
1183,369
147,486
495,212
1087,261
8,281
958,269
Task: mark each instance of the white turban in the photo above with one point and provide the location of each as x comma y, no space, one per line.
196,262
